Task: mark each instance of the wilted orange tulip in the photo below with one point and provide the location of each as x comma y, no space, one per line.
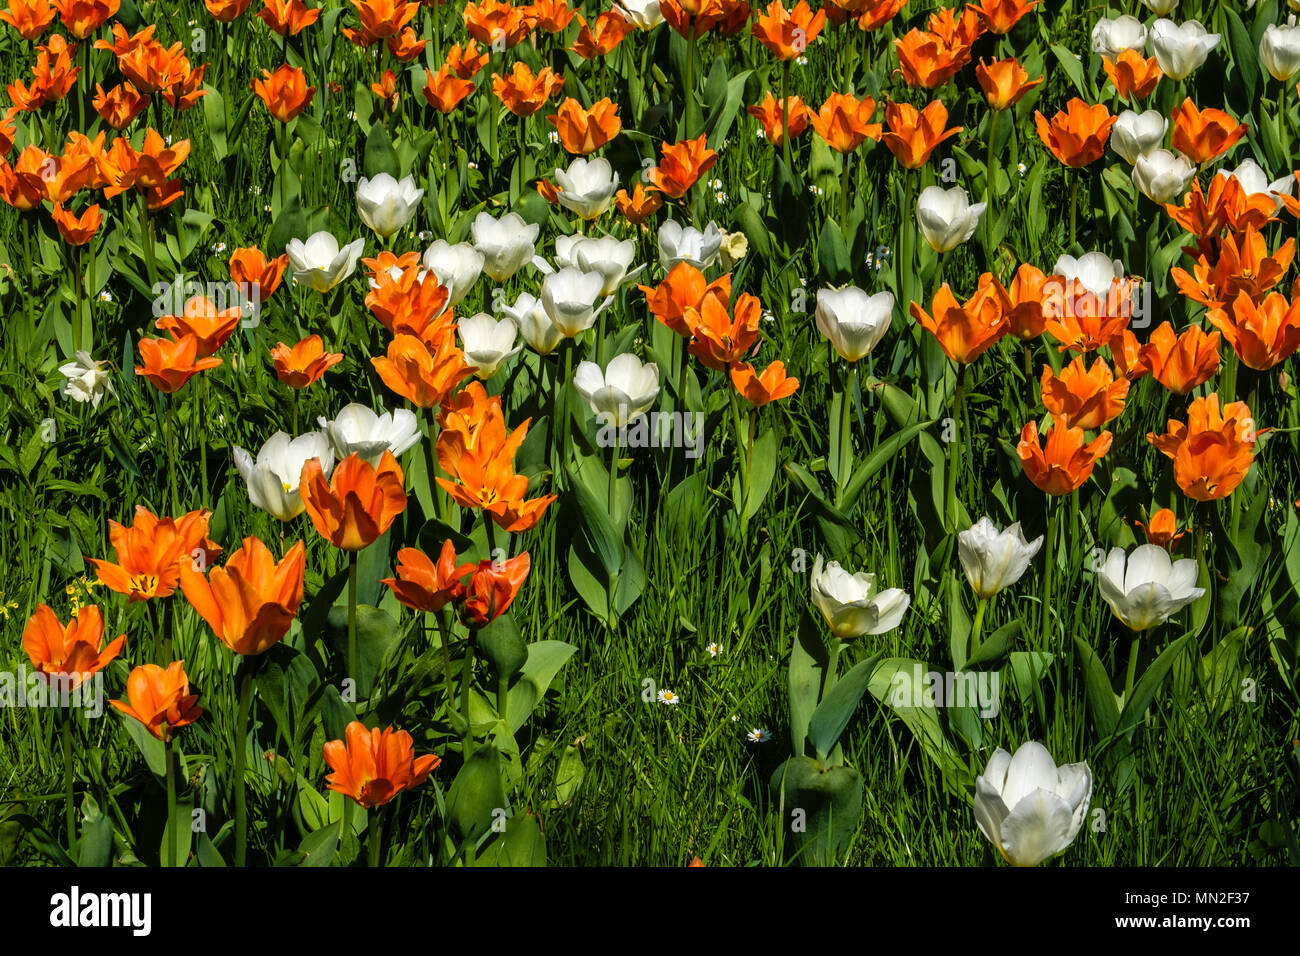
251,602
640,206
1213,451
120,105
497,25
583,131
423,585
787,34
967,331
160,699
149,550
83,17
1065,462
492,589
603,36
1244,265
769,386
466,61
256,276
305,363
28,17
1082,397
203,320
1181,362
553,16
357,504
681,165
770,114
926,61
293,16
524,93
1163,531
1077,135
1201,135
169,364
373,766
999,16
285,92
1262,335
1025,319
1132,76
444,91
72,650
1004,82
424,372
683,289
719,339
844,122
77,230
912,135
227,11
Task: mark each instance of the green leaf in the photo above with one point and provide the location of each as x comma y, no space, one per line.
1073,69
1101,698
833,713
319,847
763,463
1144,691
150,747
827,801
475,794
809,664
545,659
522,844
380,157
96,844
377,633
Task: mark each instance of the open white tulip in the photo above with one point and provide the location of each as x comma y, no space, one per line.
320,263
852,605
644,14
1279,50
487,342
1146,587
457,267
84,380
1254,182
1095,271
625,389
357,430
1028,807
506,244
946,217
609,257
993,559
678,243
1111,37
1135,134
534,325
853,321
1163,176
1161,8
587,187
385,204
570,300
1180,48
272,479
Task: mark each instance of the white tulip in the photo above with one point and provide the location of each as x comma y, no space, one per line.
1095,271
84,380
644,14
993,559
946,217
1163,176
1161,8
457,267
609,257
272,479
320,263
533,323
1146,587
387,205
1254,182
569,298
853,321
1179,48
1028,807
506,244
356,430
1279,50
625,389
678,243
1134,133
487,342
587,187
1112,37
851,604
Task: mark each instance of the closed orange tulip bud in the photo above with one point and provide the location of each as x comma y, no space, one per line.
160,699
913,134
1263,335
524,93
285,92
1201,135
150,550
787,34
1004,82
169,364
601,38
769,386
203,320
719,339
424,372
72,651
844,122
1213,451
373,766
583,131
251,602
423,585
1181,362
967,331
999,16
77,230
1065,462
1025,319
28,17
1077,135
292,16
443,91
1163,531
640,206
771,115
1132,76
681,165
357,504
305,363
1083,397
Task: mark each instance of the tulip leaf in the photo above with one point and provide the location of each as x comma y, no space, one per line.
820,806
150,747
380,156
377,632
180,831
502,646
1245,58
1073,69
319,847
995,647
833,255
763,468
1028,668
214,113
894,683
373,564
1145,690
476,796
880,456
545,659
809,664
833,713
95,848
1101,698
521,844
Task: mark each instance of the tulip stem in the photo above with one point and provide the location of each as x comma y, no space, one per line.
440,616
1134,647
990,180
1045,599
169,762
690,81
68,812
375,841
785,117
1074,206
954,450
976,628
467,750
244,678
146,232
436,494
352,615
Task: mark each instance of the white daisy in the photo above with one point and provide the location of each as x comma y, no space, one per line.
668,697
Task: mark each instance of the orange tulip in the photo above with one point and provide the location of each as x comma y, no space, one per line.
8,129
169,364
83,17
769,386
443,91
160,699
1213,451
926,61
844,122
681,165
423,585
683,289
1163,531
256,276
1262,335
1226,205
413,302
870,14
553,16
524,93
1244,265
72,651
382,19
201,319
1077,135
292,16
385,89
1081,397
492,588
120,105
640,206
406,46
423,371
1065,462
497,25
77,230
965,332
227,11
1201,135
285,92
770,114
1127,356
148,169
999,16
1025,319
251,602
1131,75
305,363
467,61
1181,362
954,30
357,504
28,17
914,134
1082,321
373,766
150,550
1004,82
787,34
719,339
583,131
600,39
692,18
